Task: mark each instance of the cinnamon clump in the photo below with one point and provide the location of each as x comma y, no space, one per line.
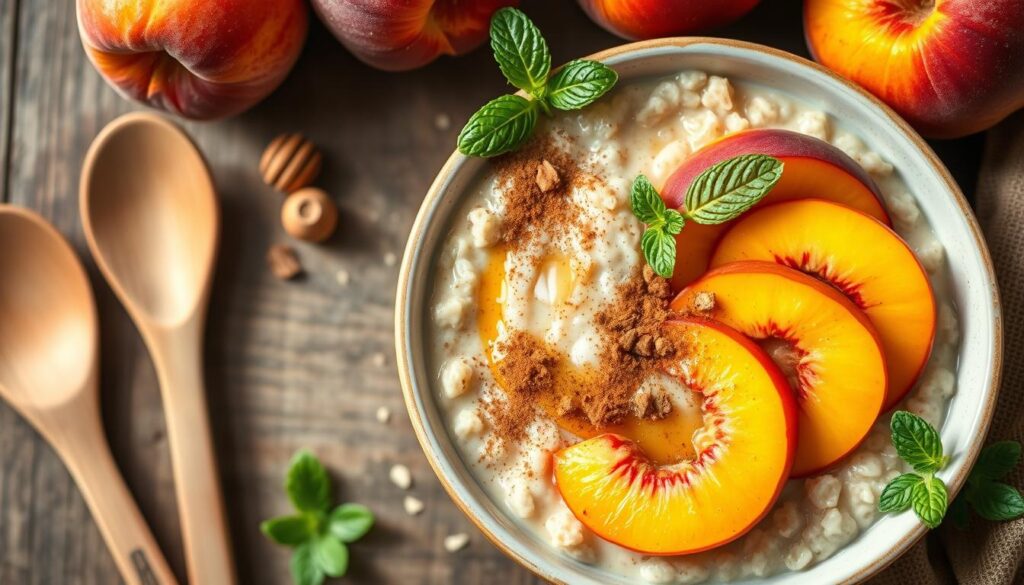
538,181
526,369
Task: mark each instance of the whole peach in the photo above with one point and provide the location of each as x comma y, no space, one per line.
396,35
950,67
200,59
648,19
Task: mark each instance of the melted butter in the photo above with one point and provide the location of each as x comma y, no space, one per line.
666,441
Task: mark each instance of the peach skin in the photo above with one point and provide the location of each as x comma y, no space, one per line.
813,168
397,35
950,67
197,59
614,488
648,19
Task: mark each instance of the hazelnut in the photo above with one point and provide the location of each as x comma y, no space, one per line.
309,214
284,264
290,162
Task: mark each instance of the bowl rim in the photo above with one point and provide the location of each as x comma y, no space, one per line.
456,160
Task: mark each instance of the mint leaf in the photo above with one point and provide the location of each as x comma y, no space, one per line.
917,442
996,460
350,522
304,566
897,496
520,50
727,189
659,249
307,483
503,124
996,501
645,202
331,556
673,221
290,530
579,83
929,499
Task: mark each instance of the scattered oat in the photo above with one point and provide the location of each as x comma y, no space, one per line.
401,476
456,542
390,259
379,359
283,262
343,277
442,121
547,176
413,505
704,302
383,414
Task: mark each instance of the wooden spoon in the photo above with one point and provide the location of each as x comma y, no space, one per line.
48,372
151,220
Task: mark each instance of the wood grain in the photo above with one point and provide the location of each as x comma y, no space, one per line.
288,365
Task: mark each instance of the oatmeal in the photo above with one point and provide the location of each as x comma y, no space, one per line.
548,329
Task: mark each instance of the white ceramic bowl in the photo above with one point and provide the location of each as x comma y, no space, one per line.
974,292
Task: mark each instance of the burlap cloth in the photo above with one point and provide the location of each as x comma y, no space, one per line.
989,553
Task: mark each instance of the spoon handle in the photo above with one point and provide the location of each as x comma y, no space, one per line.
122,525
177,356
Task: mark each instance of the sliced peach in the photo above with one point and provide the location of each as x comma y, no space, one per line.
813,168
825,345
744,454
858,255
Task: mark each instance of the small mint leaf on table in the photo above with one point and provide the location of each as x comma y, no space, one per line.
307,483
502,125
897,496
996,460
350,522
580,83
304,567
659,248
917,442
520,50
645,202
331,555
290,530
996,501
727,189
929,499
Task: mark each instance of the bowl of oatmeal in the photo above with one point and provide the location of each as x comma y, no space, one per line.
602,424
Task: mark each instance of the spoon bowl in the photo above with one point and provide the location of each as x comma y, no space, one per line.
48,318
48,372
152,216
152,222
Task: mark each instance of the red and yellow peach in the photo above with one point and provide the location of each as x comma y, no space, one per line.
396,35
950,67
648,19
196,59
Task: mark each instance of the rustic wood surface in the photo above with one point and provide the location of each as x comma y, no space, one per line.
288,365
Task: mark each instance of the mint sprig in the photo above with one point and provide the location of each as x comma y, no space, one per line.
719,194
316,532
505,123
919,444
991,499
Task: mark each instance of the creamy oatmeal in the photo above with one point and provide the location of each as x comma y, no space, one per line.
556,285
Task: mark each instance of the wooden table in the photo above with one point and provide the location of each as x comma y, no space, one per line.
289,365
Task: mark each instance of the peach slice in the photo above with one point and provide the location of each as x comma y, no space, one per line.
813,168
858,255
744,454
825,345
